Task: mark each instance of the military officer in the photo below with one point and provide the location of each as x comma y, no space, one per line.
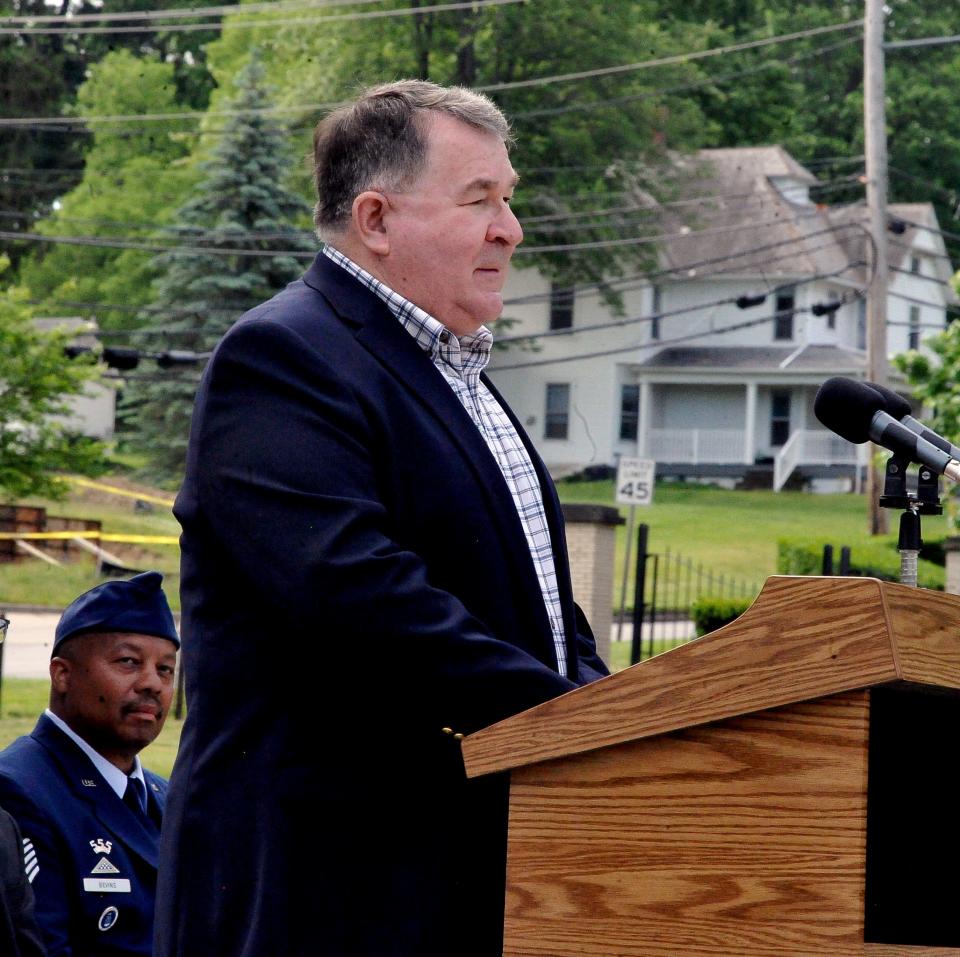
89,812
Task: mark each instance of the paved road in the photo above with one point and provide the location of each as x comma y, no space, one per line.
26,652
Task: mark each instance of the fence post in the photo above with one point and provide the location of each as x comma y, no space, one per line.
844,560
639,588
827,566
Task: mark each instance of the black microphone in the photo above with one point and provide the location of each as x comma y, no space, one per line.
856,413
900,409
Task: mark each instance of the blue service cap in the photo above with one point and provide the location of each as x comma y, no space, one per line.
136,605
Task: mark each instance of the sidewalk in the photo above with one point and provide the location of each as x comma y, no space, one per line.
26,652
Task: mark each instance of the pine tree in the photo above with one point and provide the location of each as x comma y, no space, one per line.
239,204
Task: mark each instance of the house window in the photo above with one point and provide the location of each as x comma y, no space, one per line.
783,319
861,323
561,307
629,412
915,264
913,341
779,418
657,304
557,420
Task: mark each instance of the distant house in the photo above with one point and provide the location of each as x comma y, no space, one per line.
706,385
94,412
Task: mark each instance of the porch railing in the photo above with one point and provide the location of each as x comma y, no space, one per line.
695,446
811,447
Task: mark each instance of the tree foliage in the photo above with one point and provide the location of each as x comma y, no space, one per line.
579,144
36,381
135,177
239,204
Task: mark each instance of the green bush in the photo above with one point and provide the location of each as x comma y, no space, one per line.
709,614
871,558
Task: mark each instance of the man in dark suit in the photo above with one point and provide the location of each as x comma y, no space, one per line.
373,564
89,813
19,934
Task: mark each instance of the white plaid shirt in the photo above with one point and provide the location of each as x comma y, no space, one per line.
460,361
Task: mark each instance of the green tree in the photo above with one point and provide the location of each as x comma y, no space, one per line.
36,381
597,144
39,77
240,204
135,177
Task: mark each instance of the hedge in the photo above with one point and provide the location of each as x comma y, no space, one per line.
874,558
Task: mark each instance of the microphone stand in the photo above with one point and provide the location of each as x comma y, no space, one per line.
926,501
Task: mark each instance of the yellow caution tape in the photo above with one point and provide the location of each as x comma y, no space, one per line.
99,536
140,496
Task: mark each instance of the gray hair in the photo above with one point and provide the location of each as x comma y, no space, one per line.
379,140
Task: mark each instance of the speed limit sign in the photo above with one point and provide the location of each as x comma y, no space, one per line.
635,481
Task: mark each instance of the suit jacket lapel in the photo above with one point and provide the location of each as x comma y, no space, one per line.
90,786
381,333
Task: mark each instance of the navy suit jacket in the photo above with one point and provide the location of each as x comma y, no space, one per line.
95,872
19,934
355,578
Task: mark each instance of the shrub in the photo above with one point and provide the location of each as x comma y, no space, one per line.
709,614
872,558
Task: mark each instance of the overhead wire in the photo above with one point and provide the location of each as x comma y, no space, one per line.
664,313
253,24
45,121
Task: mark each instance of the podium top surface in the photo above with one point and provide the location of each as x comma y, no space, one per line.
803,637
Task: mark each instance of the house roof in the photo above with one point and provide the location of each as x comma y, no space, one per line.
808,358
756,218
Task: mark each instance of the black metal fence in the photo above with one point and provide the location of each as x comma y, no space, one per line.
670,584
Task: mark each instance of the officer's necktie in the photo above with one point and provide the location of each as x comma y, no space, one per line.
135,796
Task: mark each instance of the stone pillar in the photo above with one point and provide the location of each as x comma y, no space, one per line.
951,547
591,535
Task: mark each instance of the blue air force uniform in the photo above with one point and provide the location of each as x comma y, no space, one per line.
93,860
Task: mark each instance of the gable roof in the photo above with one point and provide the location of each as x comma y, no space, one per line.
756,219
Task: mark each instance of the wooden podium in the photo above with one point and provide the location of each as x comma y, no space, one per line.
786,785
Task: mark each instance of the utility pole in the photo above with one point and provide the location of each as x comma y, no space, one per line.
875,140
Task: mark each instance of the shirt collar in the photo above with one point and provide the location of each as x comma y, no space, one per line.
111,773
431,335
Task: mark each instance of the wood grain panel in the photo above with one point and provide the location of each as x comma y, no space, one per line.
745,837
926,625
802,638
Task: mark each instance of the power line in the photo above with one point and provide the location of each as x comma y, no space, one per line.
173,13
619,285
668,313
255,24
659,343
489,88
921,42
117,243
668,60
710,81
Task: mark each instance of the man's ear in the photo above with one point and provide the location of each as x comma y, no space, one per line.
369,210
60,669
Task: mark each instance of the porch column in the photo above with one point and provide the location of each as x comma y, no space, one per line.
750,424
643,424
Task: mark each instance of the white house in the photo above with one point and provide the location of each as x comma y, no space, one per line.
687,376
92,413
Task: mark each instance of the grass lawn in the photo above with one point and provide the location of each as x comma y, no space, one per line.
36,583
735,533
25,698
731,533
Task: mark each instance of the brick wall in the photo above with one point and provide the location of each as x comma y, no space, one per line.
591,531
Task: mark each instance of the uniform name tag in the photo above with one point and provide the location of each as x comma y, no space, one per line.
107,885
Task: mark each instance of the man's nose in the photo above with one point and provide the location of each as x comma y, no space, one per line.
506,227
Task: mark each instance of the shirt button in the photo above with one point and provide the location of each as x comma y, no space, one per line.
444,336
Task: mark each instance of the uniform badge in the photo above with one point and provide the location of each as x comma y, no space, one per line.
108,918
103,866
100,846
88,782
